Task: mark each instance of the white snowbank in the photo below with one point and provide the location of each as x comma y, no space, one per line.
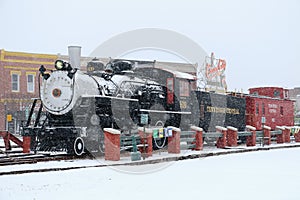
256,175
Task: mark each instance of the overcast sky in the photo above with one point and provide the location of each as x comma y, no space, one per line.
260,40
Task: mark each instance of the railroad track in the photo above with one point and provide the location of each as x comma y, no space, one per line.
17,158
34,158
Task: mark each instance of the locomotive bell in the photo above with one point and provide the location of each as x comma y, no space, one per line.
109,69
74,56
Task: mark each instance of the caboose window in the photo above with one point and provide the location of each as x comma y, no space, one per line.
276,93
286,94
281,110
184,88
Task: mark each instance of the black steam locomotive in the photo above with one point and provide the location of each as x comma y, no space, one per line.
78,105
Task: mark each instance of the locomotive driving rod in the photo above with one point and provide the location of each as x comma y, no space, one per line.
165,111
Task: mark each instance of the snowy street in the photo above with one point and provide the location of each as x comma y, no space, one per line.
255,175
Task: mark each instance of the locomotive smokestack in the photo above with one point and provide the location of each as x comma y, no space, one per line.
74,56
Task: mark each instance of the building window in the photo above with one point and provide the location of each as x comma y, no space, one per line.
257,108
15,82
30,82
263,108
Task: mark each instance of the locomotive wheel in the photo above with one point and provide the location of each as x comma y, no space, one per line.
78,146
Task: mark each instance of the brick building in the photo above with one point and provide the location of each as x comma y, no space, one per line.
19,77
295,95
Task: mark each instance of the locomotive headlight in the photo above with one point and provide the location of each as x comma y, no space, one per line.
59,64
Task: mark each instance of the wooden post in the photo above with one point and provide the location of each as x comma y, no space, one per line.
174,141
112,144
251,140
198,137
280,138
232,136
5,135
267,135
146,139
287,134
26,144
222,141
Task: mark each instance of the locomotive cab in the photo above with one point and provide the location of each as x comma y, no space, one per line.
178,93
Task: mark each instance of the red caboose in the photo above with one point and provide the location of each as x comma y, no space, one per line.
271,103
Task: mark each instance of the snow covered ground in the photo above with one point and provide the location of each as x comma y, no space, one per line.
270,174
